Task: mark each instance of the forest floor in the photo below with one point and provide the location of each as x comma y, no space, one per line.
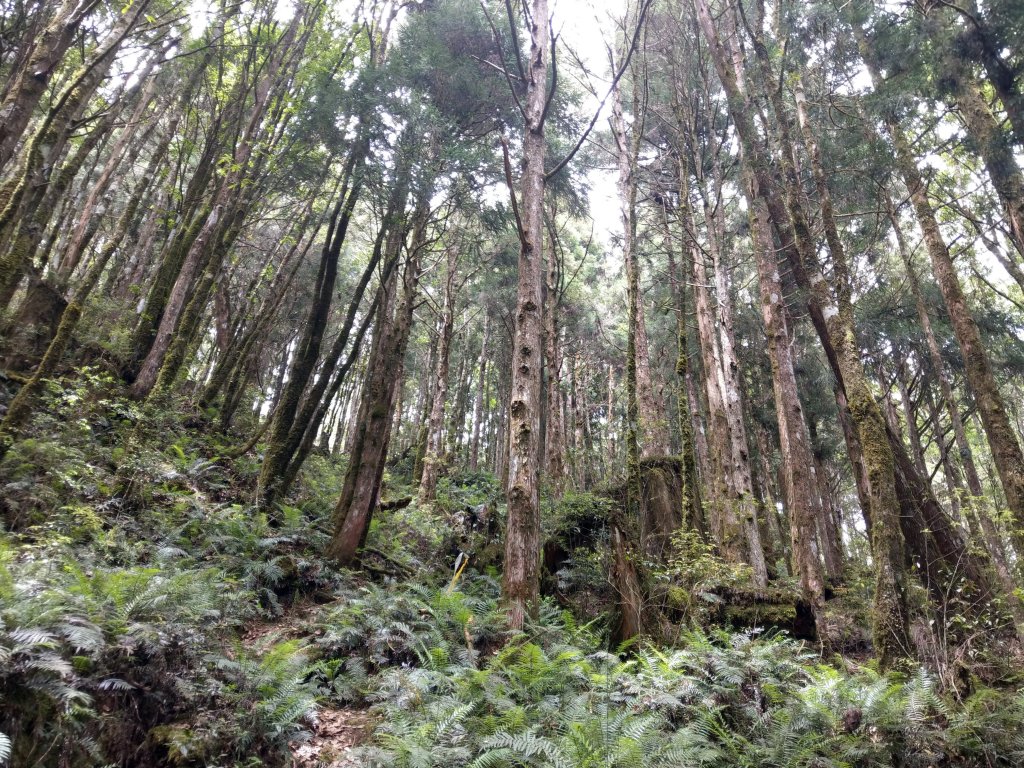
336,734
150,616
334,731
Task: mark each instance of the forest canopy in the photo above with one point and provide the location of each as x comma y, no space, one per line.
511,383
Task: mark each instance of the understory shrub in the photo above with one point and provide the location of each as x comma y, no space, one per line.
552,696
128,666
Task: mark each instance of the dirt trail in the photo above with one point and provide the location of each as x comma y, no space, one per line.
337,731
292,624
337,734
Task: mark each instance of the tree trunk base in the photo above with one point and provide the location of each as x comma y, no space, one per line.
33,327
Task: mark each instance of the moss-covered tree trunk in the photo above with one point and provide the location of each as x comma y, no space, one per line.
361,489
977,500
986,42
316,420
21,407
725,499
307,354
797,459
32,78
121,154
292,452
867,439
1002,440
48,141
990,141
729,372
456,428
681,278
228,202
43,209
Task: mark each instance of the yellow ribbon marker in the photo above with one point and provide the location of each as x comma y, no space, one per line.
460,565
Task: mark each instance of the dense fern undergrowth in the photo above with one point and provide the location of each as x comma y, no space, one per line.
149,617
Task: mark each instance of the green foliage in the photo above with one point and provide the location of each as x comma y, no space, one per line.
121,599
94,659
578,519
271,693
374,628
269,558
120,618
694,574
444,53
467,490
412,536
717,700
64,455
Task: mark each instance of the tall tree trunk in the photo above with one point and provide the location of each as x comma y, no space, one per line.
457,416
478,403
910,419
731,383
797,459
680,277
337,379
554,424
976,502
990,141
244,341
293,452
361,490
427,397
983,42
49,140
648,421
1002,439
435,424
725,499
33,77
830,538
864,431
20,408
190,216
315,326
608,434
47,204
722,371
82,232
223,209
520,585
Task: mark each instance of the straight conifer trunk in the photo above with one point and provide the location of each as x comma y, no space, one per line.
435,424
478,403
520,585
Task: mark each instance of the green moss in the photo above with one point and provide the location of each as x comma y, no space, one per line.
774,614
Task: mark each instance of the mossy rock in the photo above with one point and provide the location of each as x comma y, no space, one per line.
772,608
